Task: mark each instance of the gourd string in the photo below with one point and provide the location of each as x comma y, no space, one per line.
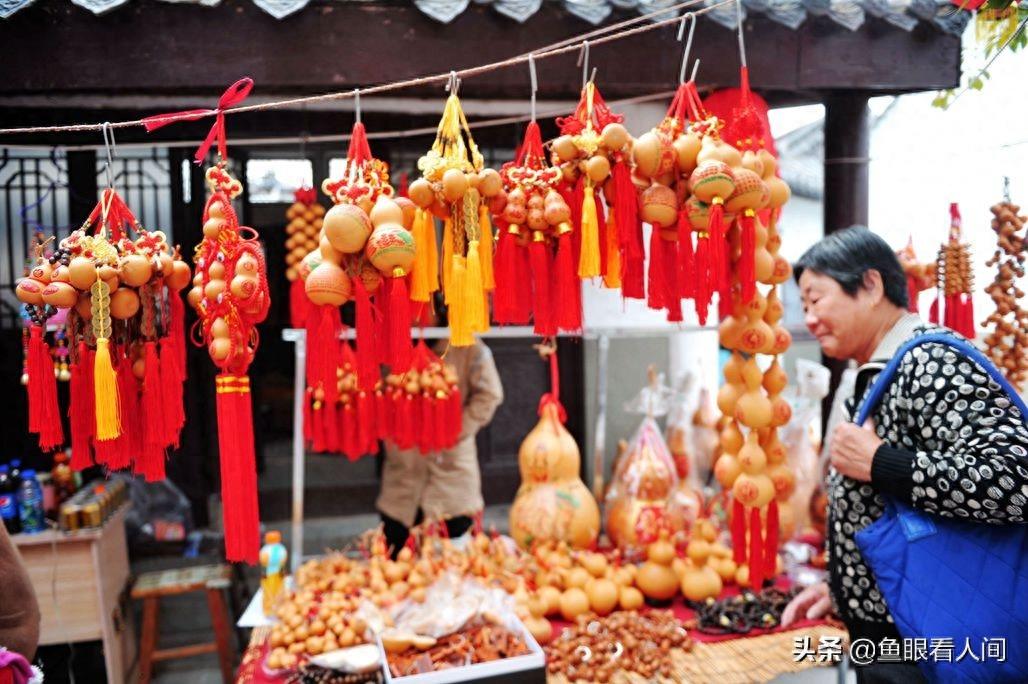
558,49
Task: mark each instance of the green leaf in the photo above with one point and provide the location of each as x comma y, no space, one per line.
976,83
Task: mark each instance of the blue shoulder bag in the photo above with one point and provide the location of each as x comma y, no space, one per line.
949,581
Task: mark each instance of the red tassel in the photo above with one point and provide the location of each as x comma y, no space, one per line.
399,325
333,436
404,428
154,427
128,452
427,436
44,413
756,554
771,541
601,225
933,311
657,289
368,370
717,277
747,272
365,423
630,238
505,308
567,303
177,333
949,315
171,393
308,417
912,294
542,302
299,303
702,279
738,532
523,312
686,267
968,312
79,413
672,296
318,429
323,351
238,469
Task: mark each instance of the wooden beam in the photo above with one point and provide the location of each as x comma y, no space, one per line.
168,48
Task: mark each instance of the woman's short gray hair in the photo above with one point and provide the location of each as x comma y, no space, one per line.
847,255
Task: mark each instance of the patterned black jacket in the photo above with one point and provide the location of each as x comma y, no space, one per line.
954,445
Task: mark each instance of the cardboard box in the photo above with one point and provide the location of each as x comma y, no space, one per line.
524,669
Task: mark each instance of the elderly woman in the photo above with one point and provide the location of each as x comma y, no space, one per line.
925,443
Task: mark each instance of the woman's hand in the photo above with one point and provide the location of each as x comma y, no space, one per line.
812,603
853,450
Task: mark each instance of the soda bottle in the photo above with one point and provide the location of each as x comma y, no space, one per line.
16,472
8,502
30,503
273,563
63,479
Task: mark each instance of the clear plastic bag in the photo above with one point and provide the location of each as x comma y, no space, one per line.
812,383
160,512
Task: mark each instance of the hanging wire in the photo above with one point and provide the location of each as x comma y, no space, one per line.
357,104
535,83
691,18
1006,188
583,61
108,134
742,40
695,68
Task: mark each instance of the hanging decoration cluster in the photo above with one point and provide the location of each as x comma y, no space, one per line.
955,281
230,295
420,408
593,152
536,273
303,229
455,187
1007,343
124,327
753,465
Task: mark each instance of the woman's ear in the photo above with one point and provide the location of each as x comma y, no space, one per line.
873,285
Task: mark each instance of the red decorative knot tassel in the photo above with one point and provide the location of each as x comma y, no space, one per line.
630,238
567,303
738,532
44,413
716,266
365,422
323,327
333,437
130,444
657,290
912,294
967,309
238,468
933,311
702,280
299,304
349,441
308,417
601,224
399,324
771,541
672,296
368,370
756,560
542,301
523,301
384,413
686,266
171,393
747,273
505,273
79,411
153,425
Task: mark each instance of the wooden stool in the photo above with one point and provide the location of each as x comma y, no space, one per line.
151,586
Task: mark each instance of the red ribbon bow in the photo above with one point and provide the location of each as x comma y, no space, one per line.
236,93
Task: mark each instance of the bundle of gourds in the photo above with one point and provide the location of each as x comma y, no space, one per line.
955,278
753,466
454,187
304,218
1007,343
127,340
535,246
593,152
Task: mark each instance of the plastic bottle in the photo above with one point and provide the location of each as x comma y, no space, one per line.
16,472
30,503
8,502
63,479
273,562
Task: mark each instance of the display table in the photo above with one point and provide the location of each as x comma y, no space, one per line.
79,578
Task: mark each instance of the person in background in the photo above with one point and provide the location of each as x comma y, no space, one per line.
445,485
945,439
19,611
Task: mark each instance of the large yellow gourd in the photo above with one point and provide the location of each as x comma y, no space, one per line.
552,503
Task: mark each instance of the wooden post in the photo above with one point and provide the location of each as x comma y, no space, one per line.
82,181
847,144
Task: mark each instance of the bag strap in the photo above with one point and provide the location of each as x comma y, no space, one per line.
881,383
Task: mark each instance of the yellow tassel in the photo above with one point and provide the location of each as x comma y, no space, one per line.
589,261
612,278
105,389
460,326
447,258
485,248
419,273
432,276
474,295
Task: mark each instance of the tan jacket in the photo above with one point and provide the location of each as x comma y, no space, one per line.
448,483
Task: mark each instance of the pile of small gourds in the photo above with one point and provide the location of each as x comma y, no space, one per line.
1007,342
